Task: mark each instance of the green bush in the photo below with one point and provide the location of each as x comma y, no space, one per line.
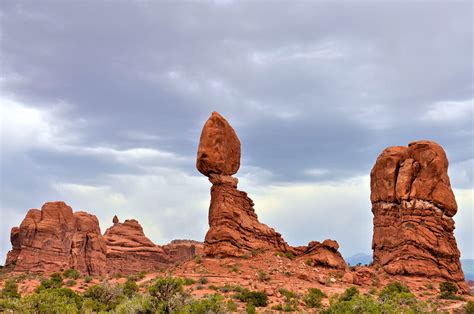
55,300
257,298
87,279
105,295
349,294
10,305
448,290
313,298
203,280
262,276
130,288
469,307
189,281
138,304
71,283
72,273
251,309
55,281
289,255
168,294
392,289
210,304
10,290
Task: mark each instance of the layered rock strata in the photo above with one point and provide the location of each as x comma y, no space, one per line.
55,239
234,228
413,207
183,250
130,251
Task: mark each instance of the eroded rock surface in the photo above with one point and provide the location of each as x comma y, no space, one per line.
234,229
55,239
219,148
324,254
413,207
130,251
183,250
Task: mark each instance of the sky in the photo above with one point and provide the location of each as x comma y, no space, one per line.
102,105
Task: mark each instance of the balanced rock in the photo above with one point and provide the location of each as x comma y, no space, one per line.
130,251
413,207
219,148
234,226
55,239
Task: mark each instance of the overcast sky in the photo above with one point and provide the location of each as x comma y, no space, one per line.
102,105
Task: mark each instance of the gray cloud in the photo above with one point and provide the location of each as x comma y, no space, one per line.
314,90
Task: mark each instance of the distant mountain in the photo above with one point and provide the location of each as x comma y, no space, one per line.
468,268
361,258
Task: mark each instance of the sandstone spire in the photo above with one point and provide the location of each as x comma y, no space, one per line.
413,206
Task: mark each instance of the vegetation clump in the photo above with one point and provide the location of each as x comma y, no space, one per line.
256,298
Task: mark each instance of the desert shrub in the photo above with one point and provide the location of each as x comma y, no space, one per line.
71,282
210,304
349,294
288,294
105,295
198,259
10,305
231,306
189,281
55,300
357,304
10,290
53,282
251,309
309,262
138,304
130,288
291,300
141,274
277,307
257,298
289,255
168,294
469,307
203,280
448,290
71,273
313,298
392,289
87,279
262,276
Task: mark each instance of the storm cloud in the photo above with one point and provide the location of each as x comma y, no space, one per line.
103,104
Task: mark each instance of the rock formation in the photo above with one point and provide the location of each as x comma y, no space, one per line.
183,250
413,207
324,254
130,251
234,229
55,239
234,226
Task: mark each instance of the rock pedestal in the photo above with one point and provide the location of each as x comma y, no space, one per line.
234,229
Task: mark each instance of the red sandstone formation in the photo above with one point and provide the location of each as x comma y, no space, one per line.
234,226
413,206
322,254
130,251
55,239
219,148
183,250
